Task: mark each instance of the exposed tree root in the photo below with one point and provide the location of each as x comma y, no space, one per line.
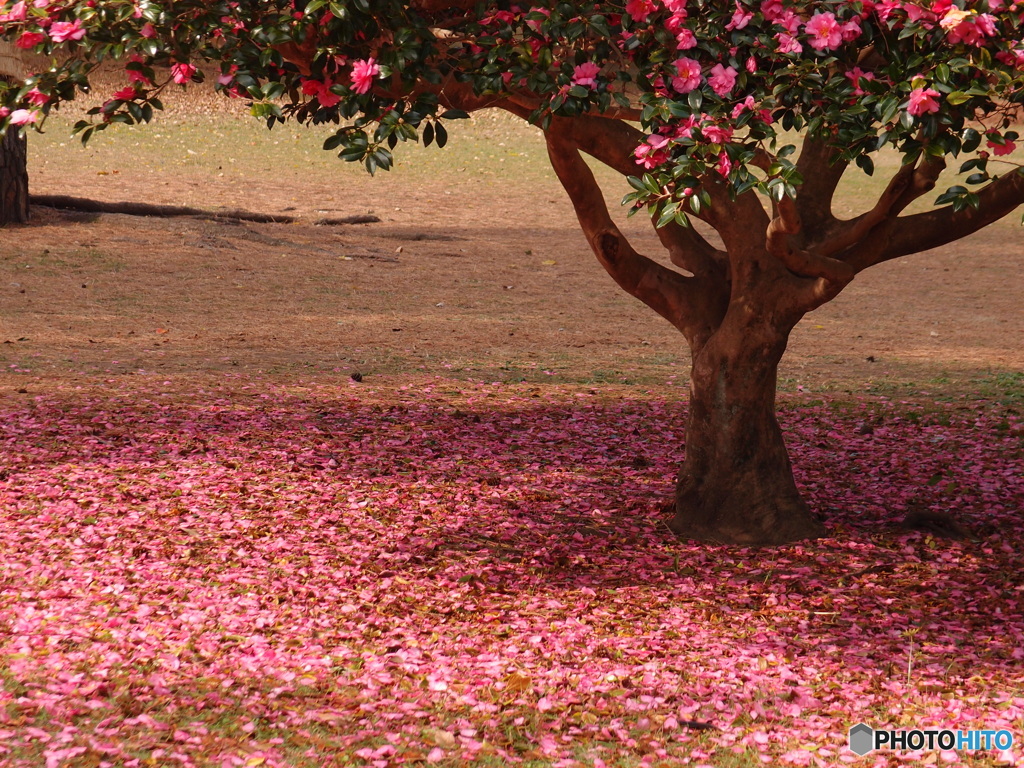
86,205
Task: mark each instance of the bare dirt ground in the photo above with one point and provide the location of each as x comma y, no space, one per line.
476,270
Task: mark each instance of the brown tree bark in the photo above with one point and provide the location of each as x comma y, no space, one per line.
736,484
13,178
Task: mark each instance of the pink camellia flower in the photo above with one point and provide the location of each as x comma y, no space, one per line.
62,31
953,18
17,12
922,100
1007,148
37,97
689,75
652,152
684,130
148,30
639,10
747,104
856,75
226,78
740,18
788,43
675,22
23,117
717,134
363,73
825,32
722,79
134,76
585,74
30,39
724,165
1013,58
322,92
685,39
327,97
126,94
182,73
851,30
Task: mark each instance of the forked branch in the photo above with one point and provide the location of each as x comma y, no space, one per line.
855,237
780,244
822,170
682,301
612,143
923,231
849,233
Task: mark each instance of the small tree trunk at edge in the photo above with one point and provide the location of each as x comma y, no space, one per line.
13,177
736,485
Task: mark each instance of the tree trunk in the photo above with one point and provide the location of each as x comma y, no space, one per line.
13,177
736,485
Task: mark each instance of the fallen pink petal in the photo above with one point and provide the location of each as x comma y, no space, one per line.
252,573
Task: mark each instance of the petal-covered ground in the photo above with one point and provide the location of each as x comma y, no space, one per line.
461,573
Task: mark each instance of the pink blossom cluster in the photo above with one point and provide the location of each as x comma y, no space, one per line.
457,572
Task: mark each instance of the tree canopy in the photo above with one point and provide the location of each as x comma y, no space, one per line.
718,87
750,113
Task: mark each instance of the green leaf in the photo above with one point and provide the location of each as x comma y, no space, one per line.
454,114
888,107
636,184
668,214
866,164
972,140
428,134
957,97
440,135
953,195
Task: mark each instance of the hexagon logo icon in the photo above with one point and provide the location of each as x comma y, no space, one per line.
862,739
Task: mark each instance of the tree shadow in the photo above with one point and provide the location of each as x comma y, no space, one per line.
510,493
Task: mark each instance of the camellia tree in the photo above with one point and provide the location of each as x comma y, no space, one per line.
698,104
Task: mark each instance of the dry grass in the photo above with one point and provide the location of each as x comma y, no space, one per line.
477,270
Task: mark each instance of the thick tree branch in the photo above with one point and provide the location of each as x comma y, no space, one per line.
861,240
923,231
688,250
612,143
822,170
682,301
848,233
779,242
734,218
922,181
